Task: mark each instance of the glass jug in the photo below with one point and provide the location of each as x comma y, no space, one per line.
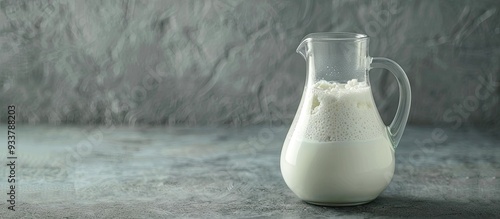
338,152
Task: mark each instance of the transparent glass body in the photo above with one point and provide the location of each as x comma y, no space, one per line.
338,151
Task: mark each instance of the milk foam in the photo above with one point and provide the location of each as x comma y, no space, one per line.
343,112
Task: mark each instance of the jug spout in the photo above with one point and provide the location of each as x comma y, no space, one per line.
302,49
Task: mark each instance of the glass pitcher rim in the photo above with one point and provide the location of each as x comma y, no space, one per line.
331,36
335,36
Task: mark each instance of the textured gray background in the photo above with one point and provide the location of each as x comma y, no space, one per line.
234,62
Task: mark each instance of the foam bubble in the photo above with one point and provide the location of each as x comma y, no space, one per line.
343,112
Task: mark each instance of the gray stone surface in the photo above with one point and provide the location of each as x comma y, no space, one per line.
234,62
116,172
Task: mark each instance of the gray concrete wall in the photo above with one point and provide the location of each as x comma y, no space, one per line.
234,62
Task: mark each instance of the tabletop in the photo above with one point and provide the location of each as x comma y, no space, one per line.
213,172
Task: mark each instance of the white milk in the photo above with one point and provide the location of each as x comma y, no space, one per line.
338,153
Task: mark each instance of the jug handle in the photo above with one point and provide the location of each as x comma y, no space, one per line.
398,124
